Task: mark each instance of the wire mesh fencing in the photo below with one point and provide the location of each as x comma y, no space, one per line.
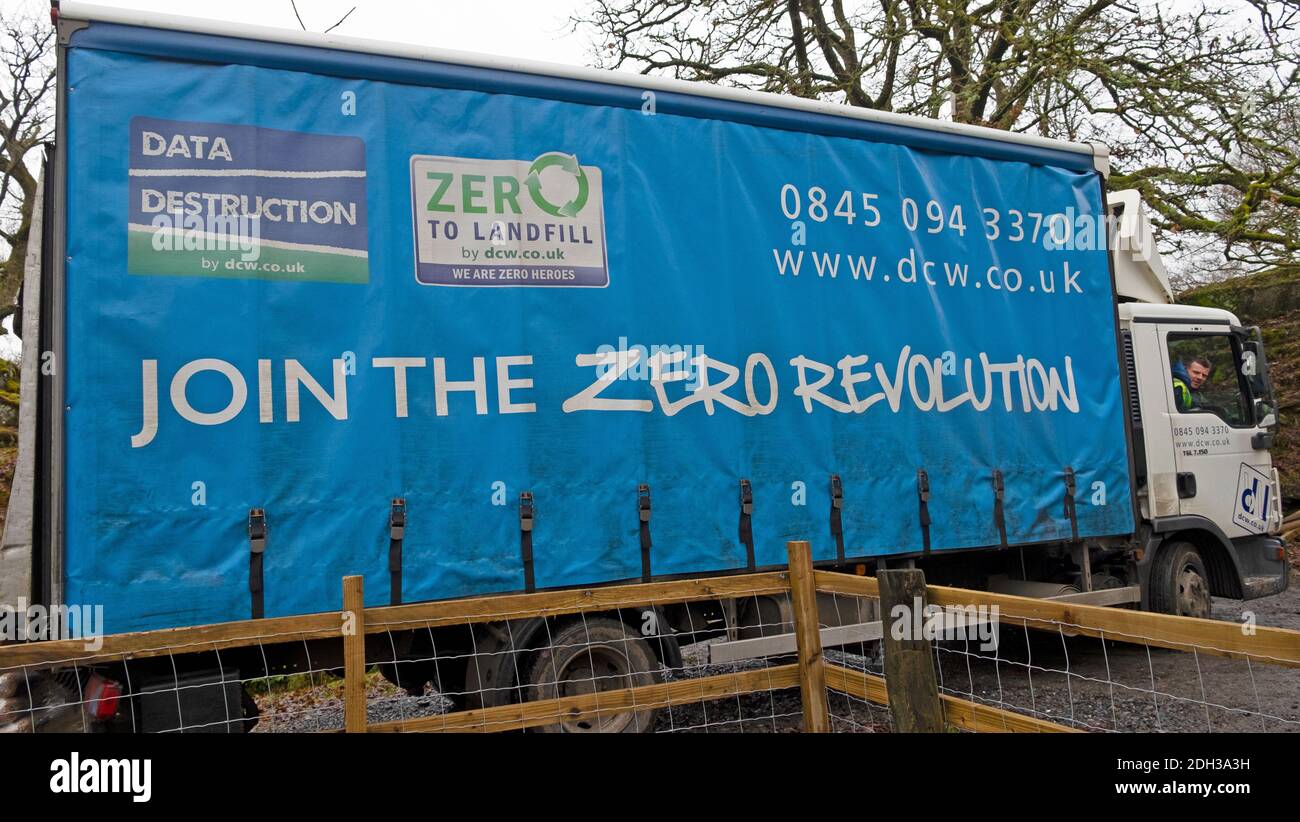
619,659
1122,682
1010,663
164,682
623,658
789,651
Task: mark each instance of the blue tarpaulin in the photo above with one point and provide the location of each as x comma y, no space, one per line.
313,287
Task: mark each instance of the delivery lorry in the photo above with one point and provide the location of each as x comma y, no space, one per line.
309,306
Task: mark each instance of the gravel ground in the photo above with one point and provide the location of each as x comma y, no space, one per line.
320,707
1121,687
1114,686
1077,681
764,712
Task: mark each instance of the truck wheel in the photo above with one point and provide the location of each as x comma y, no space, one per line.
1179,583
592,656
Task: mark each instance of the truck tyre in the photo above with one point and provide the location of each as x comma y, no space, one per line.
1179,583
590,656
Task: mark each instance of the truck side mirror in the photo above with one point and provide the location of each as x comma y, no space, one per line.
1254,367
1264,416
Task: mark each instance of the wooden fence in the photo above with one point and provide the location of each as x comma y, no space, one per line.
908,689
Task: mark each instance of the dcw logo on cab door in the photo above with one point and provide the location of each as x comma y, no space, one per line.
1254,499
537,222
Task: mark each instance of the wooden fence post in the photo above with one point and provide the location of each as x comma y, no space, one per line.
909,660
354,655
808,638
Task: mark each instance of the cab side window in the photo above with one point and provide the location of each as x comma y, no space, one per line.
1204,377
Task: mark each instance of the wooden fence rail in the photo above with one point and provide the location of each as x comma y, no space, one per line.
958,713
329,625
1277,646
602,703
812,675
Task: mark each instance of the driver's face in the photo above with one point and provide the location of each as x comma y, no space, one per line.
1198,373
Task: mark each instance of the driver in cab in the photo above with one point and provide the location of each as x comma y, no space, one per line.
1189,381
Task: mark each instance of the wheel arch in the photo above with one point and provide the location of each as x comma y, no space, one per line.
1219,554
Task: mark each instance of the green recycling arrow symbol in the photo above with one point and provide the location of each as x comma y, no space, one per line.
567,163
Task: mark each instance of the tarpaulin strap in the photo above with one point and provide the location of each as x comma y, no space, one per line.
746,521
1070,513
837,520
643,514
923,504
396,531
526,538
999,516
256,549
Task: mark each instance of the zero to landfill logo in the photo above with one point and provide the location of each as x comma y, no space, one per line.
219,200
537,222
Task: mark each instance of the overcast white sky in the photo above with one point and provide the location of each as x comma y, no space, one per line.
535,29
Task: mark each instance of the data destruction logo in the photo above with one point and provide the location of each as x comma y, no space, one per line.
220,200
538,222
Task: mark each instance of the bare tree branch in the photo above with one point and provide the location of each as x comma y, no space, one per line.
1197,103
26,125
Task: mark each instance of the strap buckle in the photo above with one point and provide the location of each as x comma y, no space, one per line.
643,501
397,519
257,531
746,497
526,511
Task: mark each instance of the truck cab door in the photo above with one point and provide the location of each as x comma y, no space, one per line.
1224,470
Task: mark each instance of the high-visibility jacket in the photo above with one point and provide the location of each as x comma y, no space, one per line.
1183,398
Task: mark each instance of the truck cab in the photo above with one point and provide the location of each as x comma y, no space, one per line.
1203,419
